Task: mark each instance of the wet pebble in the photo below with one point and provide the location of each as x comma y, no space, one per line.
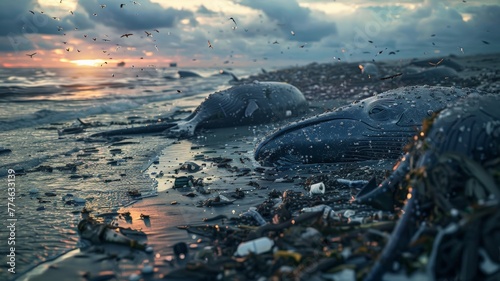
134,277
147,269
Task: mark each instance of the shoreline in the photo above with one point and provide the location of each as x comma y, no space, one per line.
238,144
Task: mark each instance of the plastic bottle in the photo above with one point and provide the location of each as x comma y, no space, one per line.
256,246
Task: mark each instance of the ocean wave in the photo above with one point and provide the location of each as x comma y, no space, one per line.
47,116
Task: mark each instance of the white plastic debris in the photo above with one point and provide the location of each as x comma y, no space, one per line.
317,188
349,213
134,277
256,246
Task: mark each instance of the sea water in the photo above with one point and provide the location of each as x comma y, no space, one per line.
36,104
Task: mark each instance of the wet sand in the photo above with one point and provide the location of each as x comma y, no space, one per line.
325,86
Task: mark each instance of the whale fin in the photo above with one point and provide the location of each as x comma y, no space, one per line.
369,187
251,107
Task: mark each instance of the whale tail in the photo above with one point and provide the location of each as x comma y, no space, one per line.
148,129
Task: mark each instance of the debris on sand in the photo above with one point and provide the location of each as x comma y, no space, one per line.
101,233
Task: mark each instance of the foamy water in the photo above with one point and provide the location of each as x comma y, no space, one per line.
36,103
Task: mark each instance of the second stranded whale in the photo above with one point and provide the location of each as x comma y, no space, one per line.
372,129
246,104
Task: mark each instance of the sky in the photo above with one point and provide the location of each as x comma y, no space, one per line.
237,33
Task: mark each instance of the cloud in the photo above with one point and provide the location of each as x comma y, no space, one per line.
307,26
329,28
145,16
202,10
17,19
484,20
427,29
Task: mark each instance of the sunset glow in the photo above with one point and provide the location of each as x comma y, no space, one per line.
281,32
94,62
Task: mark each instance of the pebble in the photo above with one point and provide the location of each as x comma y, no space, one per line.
79,200
147,269
134,277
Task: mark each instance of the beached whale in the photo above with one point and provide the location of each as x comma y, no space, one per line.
371,129
187,74
246,104
449,166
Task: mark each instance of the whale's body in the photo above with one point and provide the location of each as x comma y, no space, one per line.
246,104
371,129
451,153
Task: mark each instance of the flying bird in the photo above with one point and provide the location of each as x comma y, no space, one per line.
103,6
149,34
157,30
210,44
31,55
121,5
231,18
293,33
106,40
72,12
126,35
437,63
32,12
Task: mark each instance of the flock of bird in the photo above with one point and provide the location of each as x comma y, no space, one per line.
127,35
149,34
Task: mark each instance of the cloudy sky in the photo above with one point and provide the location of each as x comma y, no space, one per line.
264,32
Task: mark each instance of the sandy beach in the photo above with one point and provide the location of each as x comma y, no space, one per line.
226,165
